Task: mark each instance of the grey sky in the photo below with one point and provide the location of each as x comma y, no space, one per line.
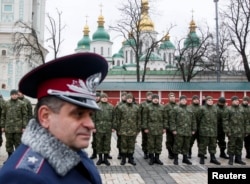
175,12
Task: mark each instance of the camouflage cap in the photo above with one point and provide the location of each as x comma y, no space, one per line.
124,93
13,92
234,98
149,93
104,95
246,98
195,97
129,96
183,97
209,98
155,96
222,100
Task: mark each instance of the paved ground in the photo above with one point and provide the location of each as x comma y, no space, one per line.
143,173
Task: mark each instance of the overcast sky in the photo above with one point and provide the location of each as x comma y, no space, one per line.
169,12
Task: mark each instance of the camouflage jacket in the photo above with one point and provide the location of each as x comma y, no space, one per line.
182,120
103,119
142,106
14,116
247,117
196,109
29,108
208,122
167,111
128,119
153,119
235,124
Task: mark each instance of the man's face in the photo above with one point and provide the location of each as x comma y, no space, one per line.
129,100
97,99
210,102
235,102
104,99
183,101
172,98
14,96
245,102
72,125
196,101
20,95
155,100
149,97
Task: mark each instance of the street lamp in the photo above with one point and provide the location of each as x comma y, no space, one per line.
217,41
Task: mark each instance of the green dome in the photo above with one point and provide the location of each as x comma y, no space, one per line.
101,34
84,42
153,57
192,40
167,45
129,42
119,54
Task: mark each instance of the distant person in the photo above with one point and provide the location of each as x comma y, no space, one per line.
28,105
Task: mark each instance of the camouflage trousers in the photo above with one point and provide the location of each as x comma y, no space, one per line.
127,144
144,143
193,138
170,140
93,143
221,137
103,142
206,141
181,144
155,143
235,145
13,140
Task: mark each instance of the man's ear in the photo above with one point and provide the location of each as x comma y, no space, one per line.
44,116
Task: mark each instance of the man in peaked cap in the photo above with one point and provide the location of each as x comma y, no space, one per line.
51,149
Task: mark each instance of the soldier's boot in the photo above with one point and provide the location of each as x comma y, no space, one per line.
176,159
231,159
238,160
100,160
94,155
199,155
170,154
109,156
213,159
123,159
157,159
119,155
186,161
131,159
248,153
151,159
202,159
223,154
105,160
190,153
145,155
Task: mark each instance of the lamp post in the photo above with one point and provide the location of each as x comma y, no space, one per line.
217,41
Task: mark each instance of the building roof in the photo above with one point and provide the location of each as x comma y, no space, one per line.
175,86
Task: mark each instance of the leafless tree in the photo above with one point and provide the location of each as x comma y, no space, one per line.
131,27
26,42
55,30
236,18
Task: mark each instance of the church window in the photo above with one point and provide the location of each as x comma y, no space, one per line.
3,52
7,8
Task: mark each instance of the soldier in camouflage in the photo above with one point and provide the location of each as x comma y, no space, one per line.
144,135
235,127
183,126
13,121
246,107
222,110
170,137
128,125
154,125
1,108
208,131
93,143
123,101
28,105
103,128
195,108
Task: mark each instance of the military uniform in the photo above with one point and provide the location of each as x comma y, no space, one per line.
13,120
144,135
169,136
128,125
235,128
29,108
183,125
153,121
245,105
208,131
1,108
104,124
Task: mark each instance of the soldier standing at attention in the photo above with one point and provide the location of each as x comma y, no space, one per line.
208,131
123,101
93,143
103,127
28,105
154,126
222,111
195,108
144,135
128,124
183,126
170,137
245,105
235,128
13,121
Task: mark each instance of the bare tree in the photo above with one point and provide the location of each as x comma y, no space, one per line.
26,41
192,59
55,31
132,27
236,19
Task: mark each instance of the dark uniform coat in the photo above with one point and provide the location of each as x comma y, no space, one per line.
43,159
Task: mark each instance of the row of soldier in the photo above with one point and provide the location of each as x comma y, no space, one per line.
209,124
15,114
